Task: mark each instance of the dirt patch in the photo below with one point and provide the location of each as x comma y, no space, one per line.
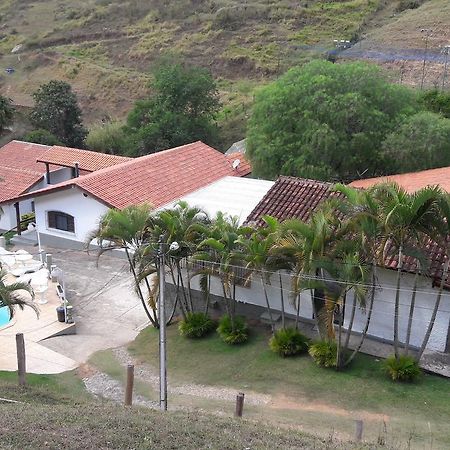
283,402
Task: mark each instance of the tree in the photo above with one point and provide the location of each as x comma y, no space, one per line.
108,138
124,230
325,121
10,294
56,110
6,112
43,137
183,109
422,141
437,102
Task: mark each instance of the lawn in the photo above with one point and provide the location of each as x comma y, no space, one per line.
418,412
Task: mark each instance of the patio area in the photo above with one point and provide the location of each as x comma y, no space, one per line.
21,266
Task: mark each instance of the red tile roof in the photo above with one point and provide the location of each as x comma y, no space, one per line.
298,198
14,182
87,160
244,168
23,155
412,181
291,198
157,179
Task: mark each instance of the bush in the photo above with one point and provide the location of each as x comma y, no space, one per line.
43,137
324,353
405,368
108,138
289,342
233,337
408,4
196,325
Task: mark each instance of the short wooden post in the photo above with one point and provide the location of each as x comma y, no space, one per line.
129,388
359,430
21,366
239,404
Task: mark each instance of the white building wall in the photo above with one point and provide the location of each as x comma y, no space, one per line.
382,321
85,210
8,217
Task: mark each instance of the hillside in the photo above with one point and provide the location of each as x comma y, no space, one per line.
56,413
106,48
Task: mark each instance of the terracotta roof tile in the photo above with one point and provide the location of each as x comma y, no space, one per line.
14,182
156,179
412,181
244,168
299,198
87,160
23,155
291,198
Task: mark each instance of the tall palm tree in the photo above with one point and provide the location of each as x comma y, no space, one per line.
176,224
408,220
256,252
220,254
125,230
11,295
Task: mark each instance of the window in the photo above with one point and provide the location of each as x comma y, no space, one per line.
61,221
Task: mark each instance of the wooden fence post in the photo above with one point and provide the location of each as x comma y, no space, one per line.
21,366
239,404
359,430
129,388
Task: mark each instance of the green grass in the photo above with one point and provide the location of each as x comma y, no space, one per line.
65,388
363,387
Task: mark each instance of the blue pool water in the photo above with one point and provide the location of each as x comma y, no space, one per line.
4,316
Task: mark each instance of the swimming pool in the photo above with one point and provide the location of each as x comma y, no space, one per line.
4,316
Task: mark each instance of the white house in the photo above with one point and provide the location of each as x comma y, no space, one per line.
67,212
297,198
27,168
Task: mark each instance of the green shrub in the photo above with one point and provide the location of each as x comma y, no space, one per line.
289,342
196,325
408,4
26,219
404,368
324,353
233,337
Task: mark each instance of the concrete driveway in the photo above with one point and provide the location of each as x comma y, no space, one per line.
106,309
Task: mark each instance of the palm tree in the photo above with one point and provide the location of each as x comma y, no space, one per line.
125,230
220,254
10,295
256,252
177,224
408,220
301,245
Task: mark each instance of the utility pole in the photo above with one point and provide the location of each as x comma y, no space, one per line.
162,330
427,36
446,51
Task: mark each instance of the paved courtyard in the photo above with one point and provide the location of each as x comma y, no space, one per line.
106,310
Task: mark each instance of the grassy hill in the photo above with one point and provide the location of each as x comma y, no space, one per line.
106,48
56,413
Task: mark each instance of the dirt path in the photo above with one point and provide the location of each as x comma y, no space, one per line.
102,385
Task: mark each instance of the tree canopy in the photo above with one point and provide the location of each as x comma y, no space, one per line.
421,142
182,109
56,110
326,121
6,112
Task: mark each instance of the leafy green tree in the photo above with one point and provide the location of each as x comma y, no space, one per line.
421,142
437,101
108,138
41,137
325,121
56,110
183,109
6,112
